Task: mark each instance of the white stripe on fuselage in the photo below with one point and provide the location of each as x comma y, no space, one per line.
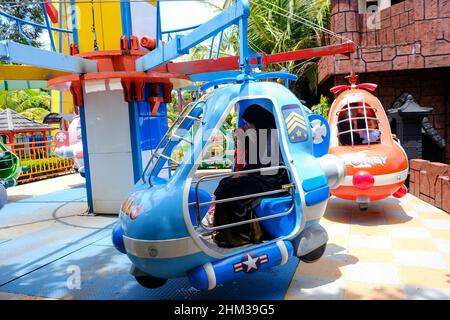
380,180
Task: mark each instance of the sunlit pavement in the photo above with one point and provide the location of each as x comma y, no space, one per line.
396,250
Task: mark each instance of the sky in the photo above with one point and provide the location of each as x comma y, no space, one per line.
180,14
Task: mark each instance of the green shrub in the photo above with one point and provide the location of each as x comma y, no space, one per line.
37,167
323,108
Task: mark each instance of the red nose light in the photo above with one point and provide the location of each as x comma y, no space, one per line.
363,180
401,192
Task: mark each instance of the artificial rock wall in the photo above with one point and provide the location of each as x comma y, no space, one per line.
430,182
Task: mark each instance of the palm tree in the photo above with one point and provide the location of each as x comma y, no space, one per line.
279,26
32,103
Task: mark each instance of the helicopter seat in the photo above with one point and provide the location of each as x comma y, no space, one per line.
276,227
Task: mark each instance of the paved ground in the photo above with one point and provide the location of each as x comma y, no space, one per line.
396,250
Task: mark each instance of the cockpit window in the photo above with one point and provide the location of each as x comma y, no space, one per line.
176,143
358,125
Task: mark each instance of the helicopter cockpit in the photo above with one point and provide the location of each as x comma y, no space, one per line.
357,123
182,218
190,137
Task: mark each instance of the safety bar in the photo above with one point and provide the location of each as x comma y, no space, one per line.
284,188
357,130
160,155
185,112
196,119
354,108
349,114
358,118
182,138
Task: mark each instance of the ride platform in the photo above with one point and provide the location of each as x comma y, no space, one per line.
398,249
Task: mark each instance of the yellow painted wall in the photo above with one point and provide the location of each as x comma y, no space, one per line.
108,26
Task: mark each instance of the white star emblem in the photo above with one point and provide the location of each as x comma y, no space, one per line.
251,263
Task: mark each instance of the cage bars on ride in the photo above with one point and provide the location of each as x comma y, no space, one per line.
285,188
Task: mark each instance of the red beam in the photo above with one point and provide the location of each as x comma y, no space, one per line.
303,54
232,63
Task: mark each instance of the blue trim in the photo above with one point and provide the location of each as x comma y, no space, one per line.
125,13
59,33
135,137
180,30
11,51
316,196
67,24
48,26
87,172
33,24
244,59
212,46
19,27
314,183
219,45
60,51
182,44
159,33
73,15
210,76
275,75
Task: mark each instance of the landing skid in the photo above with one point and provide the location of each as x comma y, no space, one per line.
145,280
363,206
363,203
314,255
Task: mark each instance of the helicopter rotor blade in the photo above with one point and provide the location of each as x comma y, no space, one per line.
232,63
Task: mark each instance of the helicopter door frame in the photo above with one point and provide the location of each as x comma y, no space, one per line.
277,113
284,188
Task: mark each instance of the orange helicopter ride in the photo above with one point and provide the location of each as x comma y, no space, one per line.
376,164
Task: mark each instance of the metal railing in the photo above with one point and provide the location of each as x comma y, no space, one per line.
168,137
21,22
347,109
285,188
39,159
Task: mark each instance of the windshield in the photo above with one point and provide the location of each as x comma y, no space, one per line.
357,124
173,147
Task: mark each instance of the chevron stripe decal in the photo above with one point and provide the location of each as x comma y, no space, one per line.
295,123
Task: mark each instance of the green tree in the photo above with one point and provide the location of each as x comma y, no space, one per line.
322,108
32,103
280,26
29,11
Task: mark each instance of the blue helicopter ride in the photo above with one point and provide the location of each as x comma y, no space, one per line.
161,225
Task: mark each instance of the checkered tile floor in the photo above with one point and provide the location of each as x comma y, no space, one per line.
398,249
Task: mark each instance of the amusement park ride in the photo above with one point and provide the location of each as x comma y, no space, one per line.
69,144
160,224
10,170
377,165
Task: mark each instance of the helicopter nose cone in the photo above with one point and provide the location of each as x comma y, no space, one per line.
363,180
334,169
